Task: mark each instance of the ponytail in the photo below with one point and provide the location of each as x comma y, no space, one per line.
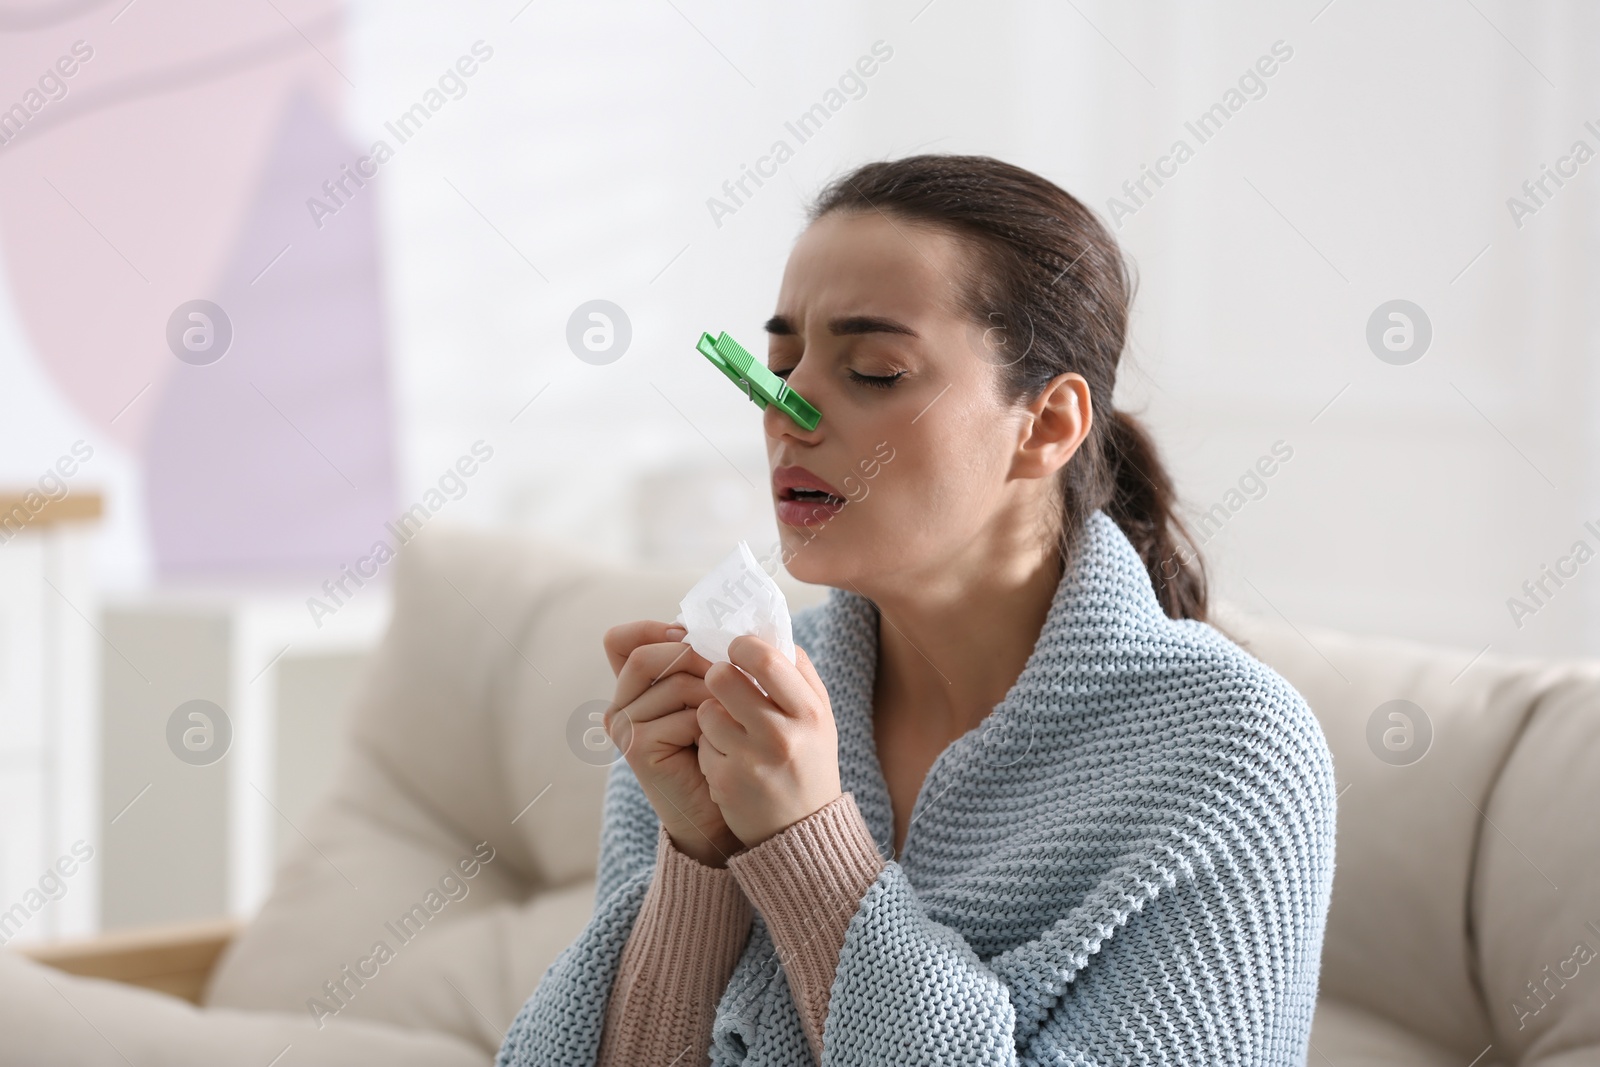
1144,504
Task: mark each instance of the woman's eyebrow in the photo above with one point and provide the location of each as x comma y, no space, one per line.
845,326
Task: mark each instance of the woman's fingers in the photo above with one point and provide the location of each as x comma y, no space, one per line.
719,729
652,664
803,663
677,690
787,684
708,754
677,729
622,639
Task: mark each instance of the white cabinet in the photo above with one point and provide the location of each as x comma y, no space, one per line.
49,748
196,810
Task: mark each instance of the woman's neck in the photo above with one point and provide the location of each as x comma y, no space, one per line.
949,651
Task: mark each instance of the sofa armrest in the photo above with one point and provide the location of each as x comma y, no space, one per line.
175,959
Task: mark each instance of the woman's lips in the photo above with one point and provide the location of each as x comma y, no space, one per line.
814,512
789,478
799,497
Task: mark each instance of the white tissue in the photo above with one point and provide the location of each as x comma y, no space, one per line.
737,597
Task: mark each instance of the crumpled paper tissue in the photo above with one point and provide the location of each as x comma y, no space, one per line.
737,597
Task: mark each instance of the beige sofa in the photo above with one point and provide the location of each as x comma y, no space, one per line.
1464,881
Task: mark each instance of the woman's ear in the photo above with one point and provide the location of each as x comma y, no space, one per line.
1059,422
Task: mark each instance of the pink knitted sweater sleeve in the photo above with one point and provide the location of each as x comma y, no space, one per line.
690,932
807,881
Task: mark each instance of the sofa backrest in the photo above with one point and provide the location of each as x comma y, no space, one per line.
1450,853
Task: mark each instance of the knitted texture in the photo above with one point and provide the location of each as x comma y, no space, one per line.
807,882
686,940
1129,860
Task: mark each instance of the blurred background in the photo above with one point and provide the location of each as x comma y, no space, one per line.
282,281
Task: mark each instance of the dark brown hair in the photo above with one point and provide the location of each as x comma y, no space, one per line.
1047,276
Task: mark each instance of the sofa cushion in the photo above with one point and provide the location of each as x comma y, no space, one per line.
51,1019
1348,1036
1398,943
1537,893
374,852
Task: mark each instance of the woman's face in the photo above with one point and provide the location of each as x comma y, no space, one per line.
914,436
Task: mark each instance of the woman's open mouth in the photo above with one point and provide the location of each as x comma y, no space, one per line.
808,507
803,499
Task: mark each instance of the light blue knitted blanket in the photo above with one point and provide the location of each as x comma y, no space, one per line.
1128,862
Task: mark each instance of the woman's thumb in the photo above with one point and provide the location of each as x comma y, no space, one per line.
803,663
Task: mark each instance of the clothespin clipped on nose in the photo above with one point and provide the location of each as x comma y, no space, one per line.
755,380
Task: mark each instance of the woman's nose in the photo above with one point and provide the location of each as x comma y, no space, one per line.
778,422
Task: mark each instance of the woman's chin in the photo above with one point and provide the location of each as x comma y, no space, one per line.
807,559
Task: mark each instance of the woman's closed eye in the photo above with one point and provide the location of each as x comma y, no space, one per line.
875,381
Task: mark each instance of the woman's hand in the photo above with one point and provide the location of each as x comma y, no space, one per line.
770,760
652,720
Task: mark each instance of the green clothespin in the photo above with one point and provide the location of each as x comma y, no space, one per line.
755,380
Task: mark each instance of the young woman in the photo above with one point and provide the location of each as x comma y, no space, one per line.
1015,802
